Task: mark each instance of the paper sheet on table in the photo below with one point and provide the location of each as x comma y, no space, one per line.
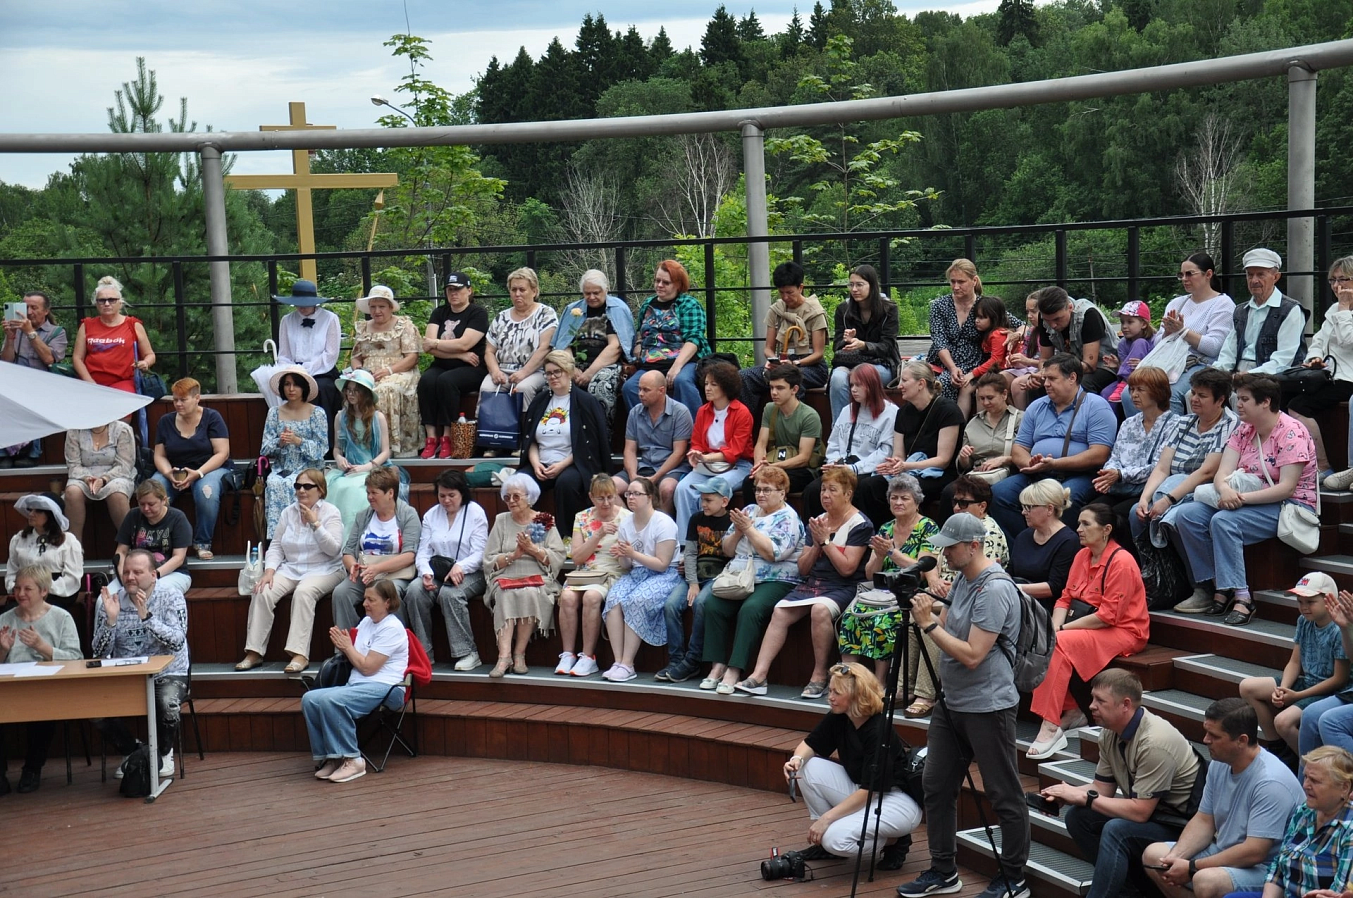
38,670
13,670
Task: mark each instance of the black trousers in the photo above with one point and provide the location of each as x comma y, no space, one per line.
39,738
439,392
570,496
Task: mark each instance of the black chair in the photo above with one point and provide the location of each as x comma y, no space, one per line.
391,722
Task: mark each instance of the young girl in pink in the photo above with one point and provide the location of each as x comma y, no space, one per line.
1138,336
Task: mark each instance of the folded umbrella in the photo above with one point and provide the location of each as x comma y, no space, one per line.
35,403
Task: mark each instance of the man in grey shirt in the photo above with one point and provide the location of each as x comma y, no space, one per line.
1227,846
657,435
34,342
975,719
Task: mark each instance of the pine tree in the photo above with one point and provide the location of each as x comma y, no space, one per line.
720,43
792,40
594,60
1138,12
749,29
817,27
661,49
632,59
1016,18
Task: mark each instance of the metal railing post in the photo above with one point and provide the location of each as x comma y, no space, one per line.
274,314
1228,255
710,296
222,314
181,317
621,286
1059,240
885,266
1134,263
78,278
1300,182
758,252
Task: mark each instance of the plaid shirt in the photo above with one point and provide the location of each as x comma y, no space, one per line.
1312,858
691,314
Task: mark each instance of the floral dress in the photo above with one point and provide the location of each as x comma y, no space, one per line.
523,602
642,593
396,394
288,460
586,524
115,462
874,637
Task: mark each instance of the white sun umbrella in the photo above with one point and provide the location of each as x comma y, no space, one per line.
36,403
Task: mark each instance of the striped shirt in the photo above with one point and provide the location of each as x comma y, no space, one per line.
1314,857
1192,448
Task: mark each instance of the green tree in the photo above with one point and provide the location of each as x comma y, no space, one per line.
720,42
817,27
1017,18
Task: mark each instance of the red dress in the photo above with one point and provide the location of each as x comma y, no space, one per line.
110,352
1121,605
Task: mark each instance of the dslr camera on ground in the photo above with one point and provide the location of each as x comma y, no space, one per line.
789,865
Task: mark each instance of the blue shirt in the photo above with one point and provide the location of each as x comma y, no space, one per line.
1255,802
1043,429
1320,648
655,441
617,312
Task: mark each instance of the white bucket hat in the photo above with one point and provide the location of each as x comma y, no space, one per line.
43,503
377,292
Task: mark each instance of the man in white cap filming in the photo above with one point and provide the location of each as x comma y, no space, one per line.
1268,332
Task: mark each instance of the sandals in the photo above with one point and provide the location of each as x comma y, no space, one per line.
251,660
1240,615
298,664
751,686
814,690
500,669
920,707
204,552
1228,601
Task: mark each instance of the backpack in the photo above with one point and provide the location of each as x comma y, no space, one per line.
136,773
1032,651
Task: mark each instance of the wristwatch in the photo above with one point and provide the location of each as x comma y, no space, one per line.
1090,797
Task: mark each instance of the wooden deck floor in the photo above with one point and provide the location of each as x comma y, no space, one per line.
255,824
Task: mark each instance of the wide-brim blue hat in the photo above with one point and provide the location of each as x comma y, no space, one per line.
303,293
360,376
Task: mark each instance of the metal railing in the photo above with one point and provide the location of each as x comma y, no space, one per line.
905,259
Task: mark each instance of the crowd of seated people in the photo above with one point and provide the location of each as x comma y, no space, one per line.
658,537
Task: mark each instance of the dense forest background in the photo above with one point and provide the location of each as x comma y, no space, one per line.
1201,151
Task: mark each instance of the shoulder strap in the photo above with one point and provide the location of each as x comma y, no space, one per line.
1075,410
1010,433
1104,575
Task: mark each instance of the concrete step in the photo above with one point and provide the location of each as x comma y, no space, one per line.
1220,672
1075,772
1049,871
1336,566
1183,709
1262,641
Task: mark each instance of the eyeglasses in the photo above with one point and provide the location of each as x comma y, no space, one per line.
1339,281
557,372
632,493
1028,508
1185,275
107,300
768,489
964,503
304,487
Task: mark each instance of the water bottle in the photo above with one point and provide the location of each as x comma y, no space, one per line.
461,419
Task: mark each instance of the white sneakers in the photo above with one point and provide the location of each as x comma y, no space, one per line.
566,662
469,662
167,764
585,666
619,673
352,768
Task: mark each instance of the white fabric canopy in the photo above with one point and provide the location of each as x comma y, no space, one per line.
36,403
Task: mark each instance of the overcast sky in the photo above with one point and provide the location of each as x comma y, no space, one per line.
240,63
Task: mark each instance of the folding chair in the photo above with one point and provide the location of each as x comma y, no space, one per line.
389,721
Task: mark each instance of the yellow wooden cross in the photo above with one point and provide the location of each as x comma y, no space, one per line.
302,181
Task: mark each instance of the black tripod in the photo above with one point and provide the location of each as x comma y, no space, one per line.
901,661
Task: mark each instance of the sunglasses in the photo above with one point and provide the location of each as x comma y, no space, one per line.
304,487
107,300
842,669
964,503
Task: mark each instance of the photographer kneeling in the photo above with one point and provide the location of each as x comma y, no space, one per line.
854,729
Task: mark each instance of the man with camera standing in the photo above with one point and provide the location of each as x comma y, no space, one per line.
975,719
1145,788
33,341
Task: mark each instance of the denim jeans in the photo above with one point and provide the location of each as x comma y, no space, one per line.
331,716
678,652
1326,722
684,390
687,495
1167,485
169,695
838,388
1115,847
1005,505
1214,541
206,499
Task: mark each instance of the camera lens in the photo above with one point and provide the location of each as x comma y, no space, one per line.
775,868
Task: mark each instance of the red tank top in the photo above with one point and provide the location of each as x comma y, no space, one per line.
110,352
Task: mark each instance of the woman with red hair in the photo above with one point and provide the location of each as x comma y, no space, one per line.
861,438
671,337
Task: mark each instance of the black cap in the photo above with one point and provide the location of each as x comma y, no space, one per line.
457,279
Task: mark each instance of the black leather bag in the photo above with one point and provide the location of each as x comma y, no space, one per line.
1163,574
335,671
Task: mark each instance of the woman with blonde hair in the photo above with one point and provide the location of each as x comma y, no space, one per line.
855,730
595,531
1042,553
518,340
111,347
956,343
567,440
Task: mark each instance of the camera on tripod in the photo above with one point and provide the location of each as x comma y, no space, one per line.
907,582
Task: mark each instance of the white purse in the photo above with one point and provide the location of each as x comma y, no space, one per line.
252,572
1298,526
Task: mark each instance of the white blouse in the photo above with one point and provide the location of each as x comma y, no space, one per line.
297,551
462,538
